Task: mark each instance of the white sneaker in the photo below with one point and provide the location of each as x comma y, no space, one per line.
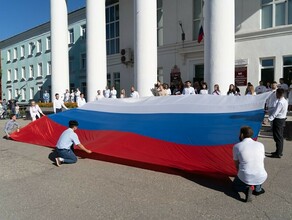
58,161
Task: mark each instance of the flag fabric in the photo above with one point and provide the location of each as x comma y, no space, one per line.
201,34
191,133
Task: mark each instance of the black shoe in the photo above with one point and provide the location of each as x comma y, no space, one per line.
276,156
275,153
248,194
258,193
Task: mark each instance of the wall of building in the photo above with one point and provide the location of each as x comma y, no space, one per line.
252,44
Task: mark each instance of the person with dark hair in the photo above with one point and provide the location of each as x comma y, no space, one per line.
81,101
188,90
11,126
248,156
278,117
204,89
58,104
66,143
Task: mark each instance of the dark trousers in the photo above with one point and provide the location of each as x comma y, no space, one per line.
68,155
278,130
58,110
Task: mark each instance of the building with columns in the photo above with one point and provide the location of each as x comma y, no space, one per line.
252,46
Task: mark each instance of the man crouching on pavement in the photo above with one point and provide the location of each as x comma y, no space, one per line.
10,127
249,157
66,144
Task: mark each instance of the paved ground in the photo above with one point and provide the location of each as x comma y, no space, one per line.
31,187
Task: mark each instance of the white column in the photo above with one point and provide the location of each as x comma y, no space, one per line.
96,47
145,51
59,47
219,43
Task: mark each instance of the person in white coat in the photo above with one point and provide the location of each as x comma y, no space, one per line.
113,93
81,101
35,111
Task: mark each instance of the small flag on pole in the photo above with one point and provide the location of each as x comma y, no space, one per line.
201,34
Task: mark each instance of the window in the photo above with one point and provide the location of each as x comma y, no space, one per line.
117,83
197,17
30,49
31,93
49,68
31,72
112,29
9,94
39,46
83,31
8,55
71,36
287,69
160,74
16,93
40,69
267,70
15,74
9,75
48,43
23,73
23,94
83,61
22,51
15,53
71,65
276,13
109,80
159,23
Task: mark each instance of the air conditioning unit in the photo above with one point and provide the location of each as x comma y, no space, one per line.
126,56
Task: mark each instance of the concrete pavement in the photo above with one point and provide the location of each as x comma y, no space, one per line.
31,187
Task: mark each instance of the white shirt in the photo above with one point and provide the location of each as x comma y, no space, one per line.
260,89
134,94
67,138
285,87
81,101
188,91
280,111
216,92
107,93
113,94
204,91
58,103
250,155
99,97
35,111
66,97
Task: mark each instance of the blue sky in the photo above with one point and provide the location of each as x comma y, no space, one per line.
17,16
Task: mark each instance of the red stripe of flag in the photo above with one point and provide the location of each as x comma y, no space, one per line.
201,34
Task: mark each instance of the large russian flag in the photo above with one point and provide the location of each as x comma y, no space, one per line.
193,133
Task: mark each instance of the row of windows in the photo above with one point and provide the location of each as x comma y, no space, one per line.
268,69
32,46
20,94
276,13
31,72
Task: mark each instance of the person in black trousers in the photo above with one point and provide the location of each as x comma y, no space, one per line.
278,117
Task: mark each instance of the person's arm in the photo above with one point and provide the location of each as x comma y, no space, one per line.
6,129
40,110
54,106
276,111
84,148
30,111
64,106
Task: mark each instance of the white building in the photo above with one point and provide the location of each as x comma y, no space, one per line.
262,31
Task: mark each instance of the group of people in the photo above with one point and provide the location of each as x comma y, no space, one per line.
248,154
112,93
